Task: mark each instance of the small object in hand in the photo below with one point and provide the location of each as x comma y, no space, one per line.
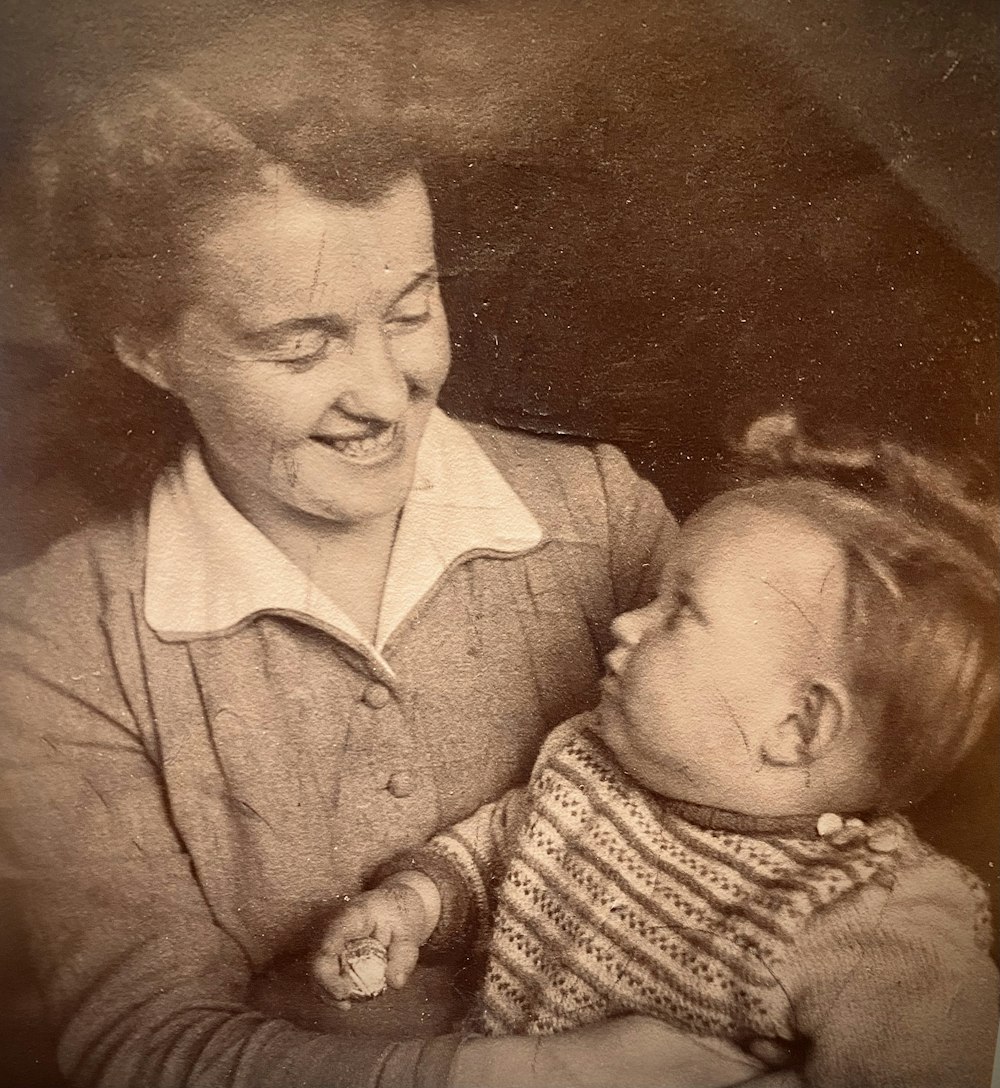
884,840
362,965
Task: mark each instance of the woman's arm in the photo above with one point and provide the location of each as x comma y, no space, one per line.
150,992
145,988
641,531
895,987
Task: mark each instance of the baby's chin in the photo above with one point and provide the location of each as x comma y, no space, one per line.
669,782
612,729
609,725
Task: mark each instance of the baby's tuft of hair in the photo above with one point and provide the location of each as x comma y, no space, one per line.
923,609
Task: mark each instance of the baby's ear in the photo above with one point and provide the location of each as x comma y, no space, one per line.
802,736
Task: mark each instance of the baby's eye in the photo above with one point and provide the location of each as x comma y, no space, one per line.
681,607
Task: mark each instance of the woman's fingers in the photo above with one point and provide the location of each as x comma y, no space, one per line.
633,1050
643,1053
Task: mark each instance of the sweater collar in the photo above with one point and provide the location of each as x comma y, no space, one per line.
742,823
208,569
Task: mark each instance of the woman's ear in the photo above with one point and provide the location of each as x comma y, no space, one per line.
802,736
141,358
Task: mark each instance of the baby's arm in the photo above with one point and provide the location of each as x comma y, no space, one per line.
896,989
442,892
445,889
400,914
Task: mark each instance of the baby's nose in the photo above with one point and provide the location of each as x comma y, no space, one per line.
628,628
615,661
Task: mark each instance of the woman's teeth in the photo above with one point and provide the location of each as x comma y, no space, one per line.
366,446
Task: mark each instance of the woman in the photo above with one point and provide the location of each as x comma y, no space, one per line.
340,621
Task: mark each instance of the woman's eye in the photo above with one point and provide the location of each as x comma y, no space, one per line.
411,320
300,350
413,310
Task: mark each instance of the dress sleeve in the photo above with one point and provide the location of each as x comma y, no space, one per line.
896,989
144,988
641,530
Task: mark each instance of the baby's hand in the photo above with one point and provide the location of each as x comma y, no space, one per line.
400,914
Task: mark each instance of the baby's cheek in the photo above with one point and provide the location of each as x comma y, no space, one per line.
654,690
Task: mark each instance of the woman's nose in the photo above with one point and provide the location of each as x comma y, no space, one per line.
375,387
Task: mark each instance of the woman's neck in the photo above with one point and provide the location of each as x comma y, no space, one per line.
348,564
347,561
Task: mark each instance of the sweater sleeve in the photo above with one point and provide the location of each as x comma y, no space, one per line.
896,989
641,530
467,863
145,989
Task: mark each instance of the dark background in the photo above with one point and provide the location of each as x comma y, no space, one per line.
657,221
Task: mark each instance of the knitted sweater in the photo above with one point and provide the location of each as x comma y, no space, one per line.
870,957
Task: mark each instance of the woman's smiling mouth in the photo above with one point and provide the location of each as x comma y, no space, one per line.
377,443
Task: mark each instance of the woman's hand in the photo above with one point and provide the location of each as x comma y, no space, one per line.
400,914
629,1052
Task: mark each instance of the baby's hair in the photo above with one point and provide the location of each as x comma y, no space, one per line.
923,589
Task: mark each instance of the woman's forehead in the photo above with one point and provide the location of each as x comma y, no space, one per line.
284,247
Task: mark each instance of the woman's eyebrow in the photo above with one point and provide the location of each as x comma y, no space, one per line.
427,276
329,323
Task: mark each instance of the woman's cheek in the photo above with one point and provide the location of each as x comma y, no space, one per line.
425,356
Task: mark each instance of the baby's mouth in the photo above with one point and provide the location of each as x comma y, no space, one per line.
610,686
376,441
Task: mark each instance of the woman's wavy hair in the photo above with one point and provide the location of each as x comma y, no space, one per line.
128,186
134,182
923,620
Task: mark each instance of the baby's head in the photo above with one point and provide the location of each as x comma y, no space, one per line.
825,637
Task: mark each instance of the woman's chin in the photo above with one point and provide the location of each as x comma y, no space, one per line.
351,492
343,512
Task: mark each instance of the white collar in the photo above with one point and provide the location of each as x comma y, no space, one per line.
208,569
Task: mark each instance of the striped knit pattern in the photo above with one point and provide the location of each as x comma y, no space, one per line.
614,904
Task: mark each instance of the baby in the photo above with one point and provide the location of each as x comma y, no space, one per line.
718,844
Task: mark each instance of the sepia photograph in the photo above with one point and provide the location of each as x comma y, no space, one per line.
500,578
